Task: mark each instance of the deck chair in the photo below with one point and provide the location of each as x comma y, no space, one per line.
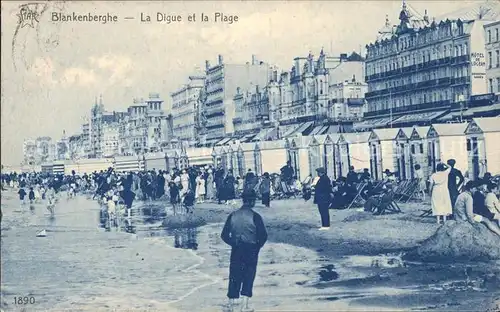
408,190
387,205
426,213
358,199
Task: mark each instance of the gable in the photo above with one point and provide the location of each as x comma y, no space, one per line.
473,128
432,133
373,137
313,142
341,140
328,140
414,135
401,135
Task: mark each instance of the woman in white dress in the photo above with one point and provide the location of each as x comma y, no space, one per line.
184,182
440,196
200,188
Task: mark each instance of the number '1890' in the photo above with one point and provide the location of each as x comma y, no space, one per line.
24,300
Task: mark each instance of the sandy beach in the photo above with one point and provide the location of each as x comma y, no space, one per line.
355,266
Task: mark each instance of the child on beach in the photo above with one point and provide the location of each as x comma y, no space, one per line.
31,196
174,196
188,201
22,195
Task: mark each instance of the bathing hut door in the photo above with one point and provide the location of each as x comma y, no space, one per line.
314,156
433,154
241,161
476,151
257,159
294,158
344,158
231,160
416,152
329,157
401,155
375,157
215,159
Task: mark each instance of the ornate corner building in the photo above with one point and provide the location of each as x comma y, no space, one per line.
423,70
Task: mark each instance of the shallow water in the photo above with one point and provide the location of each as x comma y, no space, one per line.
80,265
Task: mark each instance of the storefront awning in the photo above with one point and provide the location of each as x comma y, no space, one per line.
223,141
428,116
291,131
373,123
481,111
319,130
248,138
303,127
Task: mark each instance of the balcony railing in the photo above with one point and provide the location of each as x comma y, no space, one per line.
410,108
416,67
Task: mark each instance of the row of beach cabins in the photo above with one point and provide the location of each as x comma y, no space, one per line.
475,146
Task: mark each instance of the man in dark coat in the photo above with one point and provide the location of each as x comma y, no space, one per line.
453,186
287,173
322,197
219,181
246,233
352,177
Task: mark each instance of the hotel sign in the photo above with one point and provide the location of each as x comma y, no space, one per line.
478,73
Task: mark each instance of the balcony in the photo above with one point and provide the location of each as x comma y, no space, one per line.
410,108
214,111
237,120
460,81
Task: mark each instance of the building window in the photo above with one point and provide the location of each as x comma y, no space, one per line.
489,36
491,85
496,34
498,58
490,60
498,84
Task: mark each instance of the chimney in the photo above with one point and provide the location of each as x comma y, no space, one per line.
207,65
220,59
254,59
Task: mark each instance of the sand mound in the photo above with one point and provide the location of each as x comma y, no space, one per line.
458,241
183,221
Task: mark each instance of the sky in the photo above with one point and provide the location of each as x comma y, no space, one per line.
52,72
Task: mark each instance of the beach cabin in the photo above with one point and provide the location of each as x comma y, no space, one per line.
199,156
300,148
321,153
82,166
247,150
389,150
483,146
129,163
219,156
47,168
353,150
273,156
171,159
447,141
418,149
58,167
155,161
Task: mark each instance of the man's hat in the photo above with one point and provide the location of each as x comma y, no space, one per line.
249,195
320,170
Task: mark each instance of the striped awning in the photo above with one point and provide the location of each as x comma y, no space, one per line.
303,127
291,130
319,130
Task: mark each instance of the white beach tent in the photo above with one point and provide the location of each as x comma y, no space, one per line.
447,141
483,146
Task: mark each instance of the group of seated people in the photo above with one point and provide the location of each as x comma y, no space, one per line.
479,203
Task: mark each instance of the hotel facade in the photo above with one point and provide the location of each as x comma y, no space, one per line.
185,108
419,69
221,83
